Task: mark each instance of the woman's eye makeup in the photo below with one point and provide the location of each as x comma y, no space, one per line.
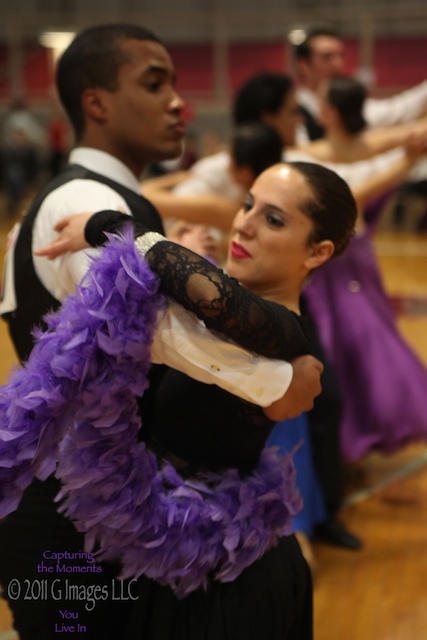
247,205
275,219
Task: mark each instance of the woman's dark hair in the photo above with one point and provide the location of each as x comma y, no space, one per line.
348,97
257,146
263,93
93,60
333,209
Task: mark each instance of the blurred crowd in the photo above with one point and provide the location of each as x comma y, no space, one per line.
32,151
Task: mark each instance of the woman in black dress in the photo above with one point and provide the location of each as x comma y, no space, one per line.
294,219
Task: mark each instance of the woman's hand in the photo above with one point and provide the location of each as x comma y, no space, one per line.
71,236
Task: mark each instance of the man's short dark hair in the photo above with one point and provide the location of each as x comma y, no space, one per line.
93,60
257,146
263,93
304,49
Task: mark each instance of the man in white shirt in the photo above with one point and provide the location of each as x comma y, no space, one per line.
117,85
321,56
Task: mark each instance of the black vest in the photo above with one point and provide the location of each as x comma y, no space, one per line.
33,300
314,128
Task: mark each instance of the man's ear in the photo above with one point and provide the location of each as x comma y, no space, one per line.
95,105
319,253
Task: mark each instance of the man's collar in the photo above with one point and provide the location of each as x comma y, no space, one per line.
309,100
106,165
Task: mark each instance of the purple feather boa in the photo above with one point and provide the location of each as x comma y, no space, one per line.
72,410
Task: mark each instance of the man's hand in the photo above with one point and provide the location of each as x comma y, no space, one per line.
299,397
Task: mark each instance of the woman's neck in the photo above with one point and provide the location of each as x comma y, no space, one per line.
337,146
340,140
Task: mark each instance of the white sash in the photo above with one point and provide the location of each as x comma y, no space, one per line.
7,294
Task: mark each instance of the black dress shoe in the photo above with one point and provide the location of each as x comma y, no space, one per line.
333,532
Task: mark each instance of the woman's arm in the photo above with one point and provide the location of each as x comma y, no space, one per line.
209,209
220,302
205,209
380,140
225,306
380,182
367,144
167,182
264,327
305,384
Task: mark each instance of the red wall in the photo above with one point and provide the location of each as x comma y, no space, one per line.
247,59
195,67
37,70
398,63
37,76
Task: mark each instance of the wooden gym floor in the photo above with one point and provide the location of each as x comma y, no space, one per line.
380,592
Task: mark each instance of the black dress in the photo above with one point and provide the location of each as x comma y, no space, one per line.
201,426
270,599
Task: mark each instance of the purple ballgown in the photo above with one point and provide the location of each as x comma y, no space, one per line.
384,384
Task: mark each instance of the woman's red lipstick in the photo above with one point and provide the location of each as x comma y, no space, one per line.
237,251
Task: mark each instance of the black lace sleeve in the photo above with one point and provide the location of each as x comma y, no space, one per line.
264,327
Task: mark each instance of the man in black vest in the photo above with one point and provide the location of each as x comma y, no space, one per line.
319,57
125,112
116,83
